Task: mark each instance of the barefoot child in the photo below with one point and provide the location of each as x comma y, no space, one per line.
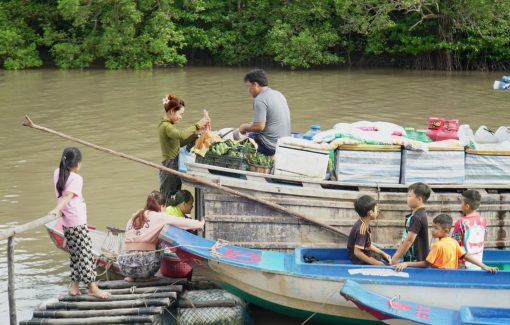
68,188
446,252
359,244
143,253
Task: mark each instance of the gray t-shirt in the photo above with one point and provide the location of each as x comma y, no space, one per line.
270,107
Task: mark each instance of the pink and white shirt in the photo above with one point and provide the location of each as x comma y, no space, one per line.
75,212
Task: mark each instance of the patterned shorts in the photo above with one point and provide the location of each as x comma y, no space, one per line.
80,254
140,264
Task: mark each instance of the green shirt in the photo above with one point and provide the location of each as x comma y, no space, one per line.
174,211
171,139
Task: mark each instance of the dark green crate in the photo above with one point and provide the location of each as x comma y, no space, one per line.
221,161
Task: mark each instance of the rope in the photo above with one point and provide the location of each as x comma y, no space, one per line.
335,291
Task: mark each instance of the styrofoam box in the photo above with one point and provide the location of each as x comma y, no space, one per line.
300,162
437,166
368,164
487,167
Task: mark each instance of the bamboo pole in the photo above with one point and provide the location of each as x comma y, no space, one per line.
11,286
188,178
121,284
206,303
109,304
170,288
26,227
92,320
156,295
98,313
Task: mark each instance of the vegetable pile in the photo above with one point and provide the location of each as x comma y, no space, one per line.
259,159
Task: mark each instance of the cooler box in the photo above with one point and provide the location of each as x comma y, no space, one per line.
438,166
487,167
300,162
368,164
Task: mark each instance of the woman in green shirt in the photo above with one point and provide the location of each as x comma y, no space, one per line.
171,140
181,204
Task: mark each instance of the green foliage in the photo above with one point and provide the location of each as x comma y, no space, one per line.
141,34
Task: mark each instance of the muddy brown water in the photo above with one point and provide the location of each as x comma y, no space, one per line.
121,109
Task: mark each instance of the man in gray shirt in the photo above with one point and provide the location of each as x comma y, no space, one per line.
271,116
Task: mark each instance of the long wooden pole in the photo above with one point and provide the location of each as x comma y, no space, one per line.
11,283
28,226
189,178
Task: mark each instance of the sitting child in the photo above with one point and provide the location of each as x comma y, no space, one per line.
469,231
446,252
359,244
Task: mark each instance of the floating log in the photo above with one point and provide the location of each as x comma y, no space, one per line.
91,321
121,284
109,304
98,313
170,288
207,303
150,295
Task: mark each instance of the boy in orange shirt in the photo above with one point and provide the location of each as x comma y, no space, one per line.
446,252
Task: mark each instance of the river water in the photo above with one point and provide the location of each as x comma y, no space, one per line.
120,110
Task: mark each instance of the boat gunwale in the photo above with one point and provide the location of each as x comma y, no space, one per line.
296,270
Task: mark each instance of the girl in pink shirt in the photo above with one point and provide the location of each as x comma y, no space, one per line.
143,252
70,202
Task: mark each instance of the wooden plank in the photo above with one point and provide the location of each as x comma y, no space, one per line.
98,313
109,304
11,282
206,303
121,284
26,227
170,288
171,295
91,320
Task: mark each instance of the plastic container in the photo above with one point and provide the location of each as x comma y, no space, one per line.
435,126
221,161
421,136
173,267
503,133
449,131
485,135
296,135
410,133
314,129
506,79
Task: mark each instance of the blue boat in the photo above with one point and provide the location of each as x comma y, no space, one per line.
284,283
391,310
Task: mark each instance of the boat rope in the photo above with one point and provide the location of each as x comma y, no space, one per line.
394,297
379,295
335,291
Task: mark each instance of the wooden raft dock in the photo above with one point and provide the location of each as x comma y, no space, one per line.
129,303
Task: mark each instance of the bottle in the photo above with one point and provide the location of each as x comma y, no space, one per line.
435,126
449,131
314,129
410,134
421,136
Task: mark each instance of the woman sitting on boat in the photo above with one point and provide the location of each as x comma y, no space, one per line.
171,140
180,204
143,251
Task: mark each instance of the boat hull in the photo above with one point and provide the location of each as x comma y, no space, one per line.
283,283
